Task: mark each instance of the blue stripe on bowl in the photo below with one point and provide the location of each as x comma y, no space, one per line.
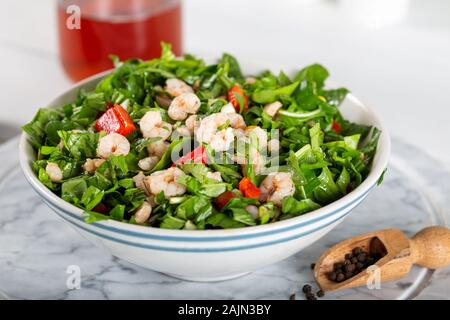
204,250
207,239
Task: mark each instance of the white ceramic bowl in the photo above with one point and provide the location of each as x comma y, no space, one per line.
212,255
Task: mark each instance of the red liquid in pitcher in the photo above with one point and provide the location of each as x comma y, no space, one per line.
126,28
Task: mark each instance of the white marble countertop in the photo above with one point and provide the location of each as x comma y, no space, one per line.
398,65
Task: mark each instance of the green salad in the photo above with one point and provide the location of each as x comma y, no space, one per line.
178,143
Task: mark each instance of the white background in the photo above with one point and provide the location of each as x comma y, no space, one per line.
393,54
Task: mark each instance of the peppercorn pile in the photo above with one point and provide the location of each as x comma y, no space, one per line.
355,262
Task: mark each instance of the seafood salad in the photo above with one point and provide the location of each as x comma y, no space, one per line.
181,144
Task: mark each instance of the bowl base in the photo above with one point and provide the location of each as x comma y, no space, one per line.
207,279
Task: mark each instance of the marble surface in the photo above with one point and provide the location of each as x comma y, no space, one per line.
37,248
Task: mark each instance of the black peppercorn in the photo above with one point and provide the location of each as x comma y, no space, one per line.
350,268
320,293
332,276
338,265
310,296
362,257
306,288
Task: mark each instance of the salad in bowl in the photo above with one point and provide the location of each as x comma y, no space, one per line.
176,143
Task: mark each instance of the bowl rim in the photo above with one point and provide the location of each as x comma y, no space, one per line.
377,170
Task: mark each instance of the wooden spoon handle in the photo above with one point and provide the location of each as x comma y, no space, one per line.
430,247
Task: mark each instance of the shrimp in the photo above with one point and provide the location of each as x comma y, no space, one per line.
214,176
259,133
157,148
272,108
240,135
142,214
181,131
273,145
220,140
176,87
112,144
166,181
182,105
54,172
139,182
152,126
277,186
250,80
192,122
253,210
148,163
92,164
228,108
236,121
257,160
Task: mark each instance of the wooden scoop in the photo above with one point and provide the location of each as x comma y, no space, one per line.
429,248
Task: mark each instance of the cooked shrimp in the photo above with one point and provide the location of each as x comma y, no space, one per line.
250,80
236,121
277,186
157,148
192,122
176,87
183,105
148,163
151,199
112,144
228,108
220,140
256,159
214,175
139,182
253,210
54,172
273,145
152,126
143,213
181,131
166,181
259,133
240,135
272,108
92,164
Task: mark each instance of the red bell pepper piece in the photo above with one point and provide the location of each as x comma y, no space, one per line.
115,119
223,198
198,155
336,127
248,189
237,97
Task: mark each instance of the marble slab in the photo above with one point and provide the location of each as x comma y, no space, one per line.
37,248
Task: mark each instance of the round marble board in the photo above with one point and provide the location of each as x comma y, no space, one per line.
36,247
